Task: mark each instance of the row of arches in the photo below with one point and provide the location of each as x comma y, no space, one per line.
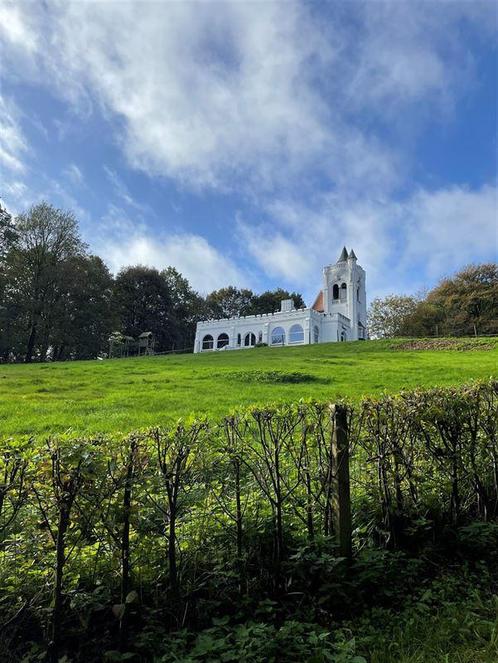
249,339
209,344
278,337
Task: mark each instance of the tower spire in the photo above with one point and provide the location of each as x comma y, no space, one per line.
344,255
352,255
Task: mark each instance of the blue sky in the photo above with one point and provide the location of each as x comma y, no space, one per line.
245,143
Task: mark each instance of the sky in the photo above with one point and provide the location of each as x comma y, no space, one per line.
245,143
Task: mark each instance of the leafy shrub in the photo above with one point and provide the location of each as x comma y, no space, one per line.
257,642
478,539
276,377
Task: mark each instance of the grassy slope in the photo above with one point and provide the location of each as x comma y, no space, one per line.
123,395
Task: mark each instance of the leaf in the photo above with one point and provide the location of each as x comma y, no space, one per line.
132,597
115,655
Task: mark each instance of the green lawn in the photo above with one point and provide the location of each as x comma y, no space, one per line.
122,395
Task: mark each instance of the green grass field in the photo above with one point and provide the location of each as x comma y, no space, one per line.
123,395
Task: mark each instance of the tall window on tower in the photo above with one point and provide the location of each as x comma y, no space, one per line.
343,292
335,292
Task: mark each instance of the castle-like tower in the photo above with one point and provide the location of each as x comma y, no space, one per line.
344,292
339,313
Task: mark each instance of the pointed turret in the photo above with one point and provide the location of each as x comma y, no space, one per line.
352,255
344,255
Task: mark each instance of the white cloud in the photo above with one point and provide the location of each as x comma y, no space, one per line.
204,266
401,53
268,98
121,190
278,256
200,95
15,28
74,174
13,146
450,227
403,246
122,241
251,96
15,189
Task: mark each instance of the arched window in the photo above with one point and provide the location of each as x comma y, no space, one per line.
260,337
222,341
207,342
296,334
361,330
343,291
278,336
316,334
343,336
239,339
335,291
250,339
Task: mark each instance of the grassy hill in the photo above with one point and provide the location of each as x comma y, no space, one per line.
122,395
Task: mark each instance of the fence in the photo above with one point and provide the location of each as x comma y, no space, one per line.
165,511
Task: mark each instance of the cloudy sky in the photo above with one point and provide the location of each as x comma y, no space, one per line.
246,142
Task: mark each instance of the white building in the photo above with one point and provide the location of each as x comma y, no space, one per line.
339,313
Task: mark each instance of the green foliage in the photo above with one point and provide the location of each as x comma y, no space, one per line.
126,539
275,377
468,300
270,301
386,317
259,642
452,618
143,304
34,269
58,302
462,305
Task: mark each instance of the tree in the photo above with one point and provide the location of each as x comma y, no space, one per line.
464,304
469,300
8,236
386,317
46,238
8,233
229,302
425,320
83,315
143,303
188,306
270,301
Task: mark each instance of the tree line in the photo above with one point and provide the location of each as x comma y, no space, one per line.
104,539
58,301
465,304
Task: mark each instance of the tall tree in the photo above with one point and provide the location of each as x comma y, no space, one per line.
188,306
387,316
469,300
83,316
270,301
229,302
8,236
46,238
143,303
8,233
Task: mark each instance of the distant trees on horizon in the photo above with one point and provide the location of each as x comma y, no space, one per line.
461,305
58,301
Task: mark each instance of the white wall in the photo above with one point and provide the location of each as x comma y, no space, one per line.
330,328
265,324
338,322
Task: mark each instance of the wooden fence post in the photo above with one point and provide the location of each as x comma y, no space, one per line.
341,498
